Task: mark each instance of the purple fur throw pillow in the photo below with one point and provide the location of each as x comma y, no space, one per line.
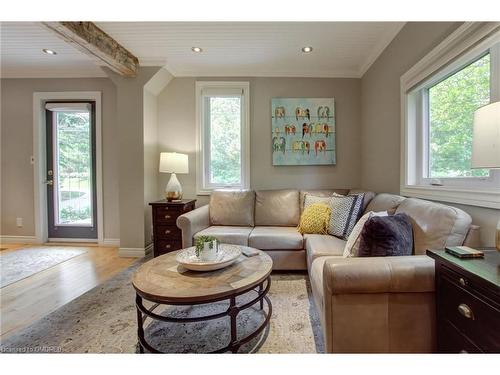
386,236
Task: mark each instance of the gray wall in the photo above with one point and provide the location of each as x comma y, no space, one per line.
17,147
151,157
381,122
130,138
177,131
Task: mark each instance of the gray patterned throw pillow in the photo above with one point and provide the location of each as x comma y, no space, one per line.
346,211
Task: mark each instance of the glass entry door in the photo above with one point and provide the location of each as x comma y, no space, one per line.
71,190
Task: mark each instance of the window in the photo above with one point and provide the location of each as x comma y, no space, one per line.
452,103
439,97
223,136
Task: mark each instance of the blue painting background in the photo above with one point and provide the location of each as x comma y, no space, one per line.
295,151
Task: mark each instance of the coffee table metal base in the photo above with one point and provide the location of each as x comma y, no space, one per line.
234,344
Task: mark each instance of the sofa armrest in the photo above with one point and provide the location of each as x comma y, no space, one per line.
472,238
379,274
379,305
192,222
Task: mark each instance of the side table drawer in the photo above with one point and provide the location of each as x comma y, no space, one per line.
476,319
452,341
164,216
166,246
168,232
470,286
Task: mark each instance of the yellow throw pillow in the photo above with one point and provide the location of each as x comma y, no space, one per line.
315,219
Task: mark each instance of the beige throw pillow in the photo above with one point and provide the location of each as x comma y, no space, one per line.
352,245
314,199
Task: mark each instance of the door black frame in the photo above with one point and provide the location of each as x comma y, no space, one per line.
70,232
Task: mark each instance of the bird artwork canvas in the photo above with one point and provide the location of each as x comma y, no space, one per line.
303,131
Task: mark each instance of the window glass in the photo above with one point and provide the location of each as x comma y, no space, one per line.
73,192
452,103
225,140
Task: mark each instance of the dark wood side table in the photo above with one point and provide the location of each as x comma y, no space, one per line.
166,236
467,302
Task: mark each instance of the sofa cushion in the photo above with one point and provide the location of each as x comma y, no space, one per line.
277,207
319,245
275,238
236,235
386,236
232,208
319,193
384,202
435,225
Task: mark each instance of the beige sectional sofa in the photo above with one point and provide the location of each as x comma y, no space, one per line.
380,304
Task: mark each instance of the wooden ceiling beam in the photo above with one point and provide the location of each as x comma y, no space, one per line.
94,42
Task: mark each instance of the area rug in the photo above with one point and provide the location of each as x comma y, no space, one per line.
104,321
21,263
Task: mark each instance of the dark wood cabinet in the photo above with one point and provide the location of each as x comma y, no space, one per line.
166,236
467,302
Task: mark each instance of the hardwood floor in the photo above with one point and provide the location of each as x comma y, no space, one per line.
27,300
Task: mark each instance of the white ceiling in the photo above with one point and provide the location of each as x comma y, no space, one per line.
21,45
341,49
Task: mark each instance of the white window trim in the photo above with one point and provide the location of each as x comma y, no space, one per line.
201,188
468,40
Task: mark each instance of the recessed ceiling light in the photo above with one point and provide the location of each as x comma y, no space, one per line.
196,49
307,49
49,51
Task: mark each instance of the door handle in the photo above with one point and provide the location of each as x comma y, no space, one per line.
48,182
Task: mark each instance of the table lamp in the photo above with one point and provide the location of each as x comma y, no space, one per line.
486,143
173,162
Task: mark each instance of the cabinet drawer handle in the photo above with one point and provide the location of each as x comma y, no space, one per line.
465,311
167,231
463,351
168,246
167,216
462,281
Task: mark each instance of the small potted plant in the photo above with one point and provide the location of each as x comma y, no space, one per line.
206,248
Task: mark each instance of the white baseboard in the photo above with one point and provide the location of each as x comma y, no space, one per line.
75,240
107,242
110,242
18,239
135,252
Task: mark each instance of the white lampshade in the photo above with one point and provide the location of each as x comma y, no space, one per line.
486,137
173,162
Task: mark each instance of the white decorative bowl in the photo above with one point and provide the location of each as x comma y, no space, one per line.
226,256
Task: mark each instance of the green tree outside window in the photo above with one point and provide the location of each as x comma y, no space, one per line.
452,103
225,140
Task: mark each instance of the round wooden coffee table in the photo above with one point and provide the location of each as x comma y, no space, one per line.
163,282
